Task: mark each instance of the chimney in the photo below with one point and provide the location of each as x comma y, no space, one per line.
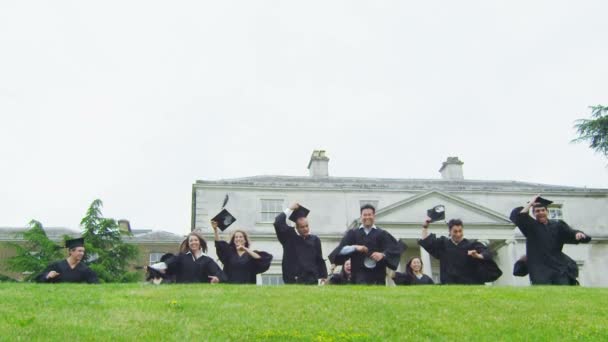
319,164
452,169
124,226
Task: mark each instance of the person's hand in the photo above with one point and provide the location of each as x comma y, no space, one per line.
241,248
473,253
377,256
214,280
52,275
426,223
294,206
534,200
361,249
214,225
580,236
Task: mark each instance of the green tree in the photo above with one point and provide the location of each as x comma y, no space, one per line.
36,253
106,253
594,131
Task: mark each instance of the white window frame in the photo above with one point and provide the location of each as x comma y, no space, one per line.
272,279
268,215
152,260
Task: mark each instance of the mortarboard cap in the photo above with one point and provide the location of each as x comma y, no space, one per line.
436,213
224,219
543,202
73,243
298,213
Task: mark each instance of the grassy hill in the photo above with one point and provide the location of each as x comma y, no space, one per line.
224,312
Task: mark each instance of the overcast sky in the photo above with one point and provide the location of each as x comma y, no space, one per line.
133,101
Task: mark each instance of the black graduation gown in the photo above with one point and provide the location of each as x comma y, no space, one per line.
455,265
378,240
547,264
302,257
187,270
241,269
79,274
340,279
408,279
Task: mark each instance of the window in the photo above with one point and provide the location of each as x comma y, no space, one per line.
270,209
155,257
555,213
272,279
372,202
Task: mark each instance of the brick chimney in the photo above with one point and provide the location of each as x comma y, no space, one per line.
318,166
452,169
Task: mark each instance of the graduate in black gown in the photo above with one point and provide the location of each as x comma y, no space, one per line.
344,277
302,255
413,274
192,265
545,238
241,264
157,277
461,261
70,270
371,250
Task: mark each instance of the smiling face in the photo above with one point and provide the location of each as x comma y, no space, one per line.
77,253
194,244
368,217
457,233
240,239
302,227
416,265
541,214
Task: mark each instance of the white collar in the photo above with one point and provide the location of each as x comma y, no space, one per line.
373,227
200,250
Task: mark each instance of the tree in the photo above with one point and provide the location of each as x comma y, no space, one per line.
106,253
594,131
37,252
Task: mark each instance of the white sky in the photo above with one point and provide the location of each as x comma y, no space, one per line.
132,101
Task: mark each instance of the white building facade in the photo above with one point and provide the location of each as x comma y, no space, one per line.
401,204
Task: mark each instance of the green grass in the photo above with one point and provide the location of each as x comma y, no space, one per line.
223,312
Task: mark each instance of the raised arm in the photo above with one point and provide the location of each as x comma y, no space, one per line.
520,216
282,229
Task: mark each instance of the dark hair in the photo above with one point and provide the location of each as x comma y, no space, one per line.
408,267
455,222
185,247
539,205
244,235
368,206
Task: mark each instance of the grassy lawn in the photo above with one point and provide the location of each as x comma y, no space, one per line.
224,312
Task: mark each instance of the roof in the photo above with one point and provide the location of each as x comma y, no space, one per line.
389,184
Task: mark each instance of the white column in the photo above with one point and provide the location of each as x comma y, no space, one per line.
426,262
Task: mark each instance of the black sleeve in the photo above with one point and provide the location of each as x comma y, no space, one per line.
283,230
214,270
347,240
523,221
402,279
321,266
482,249
91,276
262,264
427,280
392,250
568,235
433,245
222,249
173,264
520,269
41,278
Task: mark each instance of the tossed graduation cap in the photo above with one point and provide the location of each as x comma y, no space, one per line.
224,219
298,213
73,243
543,201
436,213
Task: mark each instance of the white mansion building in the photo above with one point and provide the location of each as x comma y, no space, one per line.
401,204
